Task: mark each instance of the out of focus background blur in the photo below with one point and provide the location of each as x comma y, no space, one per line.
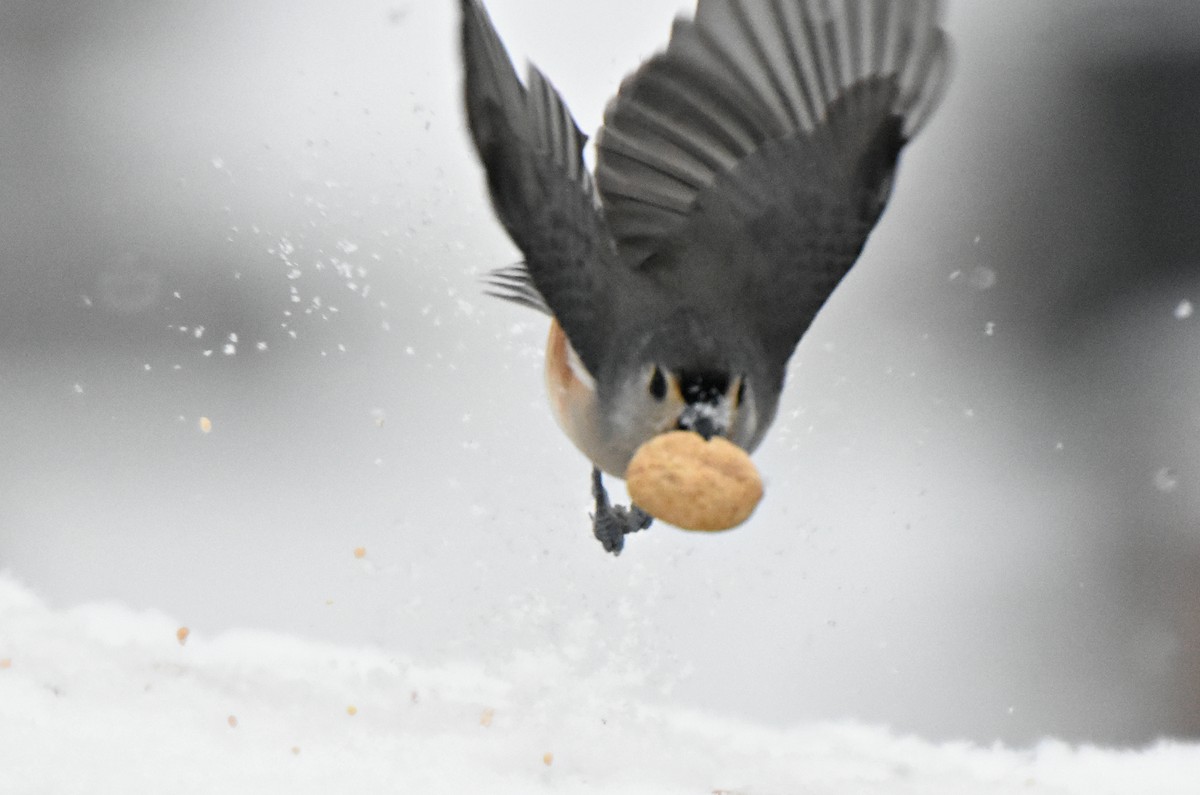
242,335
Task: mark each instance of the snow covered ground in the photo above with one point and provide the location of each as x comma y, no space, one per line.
103,699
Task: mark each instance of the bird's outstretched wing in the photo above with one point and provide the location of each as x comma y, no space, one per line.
750,161
532,150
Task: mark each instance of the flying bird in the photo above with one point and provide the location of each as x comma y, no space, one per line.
738,176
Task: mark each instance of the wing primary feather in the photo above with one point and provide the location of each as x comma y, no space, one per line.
810,107
879,27
921,46
817,56
688,92
513,283
840,38
558,135
658,177
698,145
754,100
852,44
520,300
532,153
856,45
782,104
648,121
746,76
929,93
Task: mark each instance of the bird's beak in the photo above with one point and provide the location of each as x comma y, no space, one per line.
706,419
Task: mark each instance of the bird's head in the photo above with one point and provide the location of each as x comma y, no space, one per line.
676,379
692,387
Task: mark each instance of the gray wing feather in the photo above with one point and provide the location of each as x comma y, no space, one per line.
513,283
745,72
774,126
532,151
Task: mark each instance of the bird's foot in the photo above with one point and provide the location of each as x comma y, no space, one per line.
611,523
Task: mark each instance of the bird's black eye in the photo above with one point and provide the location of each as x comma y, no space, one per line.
741,393
658,385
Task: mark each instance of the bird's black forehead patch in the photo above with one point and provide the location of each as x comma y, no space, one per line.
704,386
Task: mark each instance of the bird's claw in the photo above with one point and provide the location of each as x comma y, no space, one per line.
611,523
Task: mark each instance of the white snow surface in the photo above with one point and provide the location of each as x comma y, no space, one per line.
101,698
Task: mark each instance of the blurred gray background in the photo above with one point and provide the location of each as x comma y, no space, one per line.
983,489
